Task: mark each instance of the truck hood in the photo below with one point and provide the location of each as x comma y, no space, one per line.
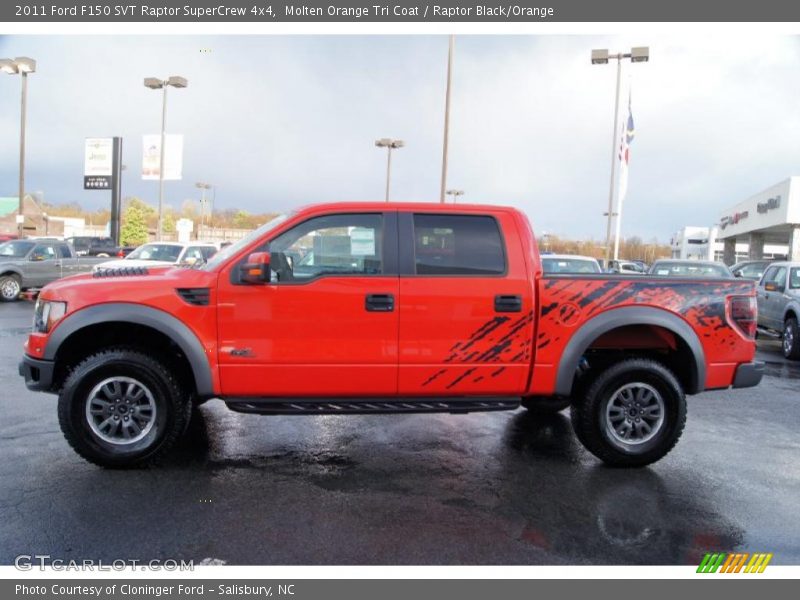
157,285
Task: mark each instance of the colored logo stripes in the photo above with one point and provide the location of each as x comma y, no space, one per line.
734,563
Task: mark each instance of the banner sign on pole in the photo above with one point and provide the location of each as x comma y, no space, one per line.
173,157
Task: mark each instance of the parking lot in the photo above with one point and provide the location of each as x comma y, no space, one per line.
485,488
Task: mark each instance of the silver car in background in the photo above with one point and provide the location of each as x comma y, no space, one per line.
778,295
570,263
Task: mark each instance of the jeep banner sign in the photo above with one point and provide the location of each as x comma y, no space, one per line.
98,165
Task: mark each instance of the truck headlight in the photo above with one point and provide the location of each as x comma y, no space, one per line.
46,314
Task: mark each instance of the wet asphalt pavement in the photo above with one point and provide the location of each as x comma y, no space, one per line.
485,488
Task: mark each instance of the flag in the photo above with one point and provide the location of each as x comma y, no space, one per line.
626,138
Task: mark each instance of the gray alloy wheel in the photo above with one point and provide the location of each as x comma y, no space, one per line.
791,339
635,413
120,410
9,288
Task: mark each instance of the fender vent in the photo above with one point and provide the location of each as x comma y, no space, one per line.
196,296
120,272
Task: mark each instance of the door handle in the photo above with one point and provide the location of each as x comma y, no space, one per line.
507,303
379,302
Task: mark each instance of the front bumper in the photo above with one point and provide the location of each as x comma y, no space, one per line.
38,374
748,374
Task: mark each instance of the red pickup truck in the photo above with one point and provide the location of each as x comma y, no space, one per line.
385,308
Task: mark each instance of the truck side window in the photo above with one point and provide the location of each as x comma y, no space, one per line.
329,245
794,280
776,275
63,251
43,253
458,245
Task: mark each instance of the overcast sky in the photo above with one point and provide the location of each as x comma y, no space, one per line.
280,121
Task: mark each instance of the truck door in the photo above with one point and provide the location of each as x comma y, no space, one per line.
44,265
771,301
69,263
327,323
466,305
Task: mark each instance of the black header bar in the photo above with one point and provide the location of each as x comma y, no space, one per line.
400,11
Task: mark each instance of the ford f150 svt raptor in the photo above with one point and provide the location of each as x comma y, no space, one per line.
385,308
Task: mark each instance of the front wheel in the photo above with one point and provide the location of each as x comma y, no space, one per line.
632,414
791,339
122,408
10,288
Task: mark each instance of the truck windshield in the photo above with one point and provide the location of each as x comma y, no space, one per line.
569,265
164,252
16,248
669,269
223,255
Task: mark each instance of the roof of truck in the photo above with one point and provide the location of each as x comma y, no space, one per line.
392,205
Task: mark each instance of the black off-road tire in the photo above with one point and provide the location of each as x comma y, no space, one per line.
543,405
593,428
8,282
791,332
171,415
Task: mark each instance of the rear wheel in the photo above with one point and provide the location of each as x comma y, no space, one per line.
122,408
632,414
10,288
791,339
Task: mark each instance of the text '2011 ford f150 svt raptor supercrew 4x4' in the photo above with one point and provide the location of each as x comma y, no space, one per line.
385,308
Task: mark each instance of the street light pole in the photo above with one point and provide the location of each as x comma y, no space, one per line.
455,194
390,145
22,119
611,186
157,84
203,187
159,227
450,51
601,57
21,65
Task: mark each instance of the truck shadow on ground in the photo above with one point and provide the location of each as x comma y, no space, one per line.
536,484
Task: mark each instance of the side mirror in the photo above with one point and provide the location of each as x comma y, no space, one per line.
771,286
256,269
737,274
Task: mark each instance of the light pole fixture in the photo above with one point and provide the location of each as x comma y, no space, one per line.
602,57
455,194
203,187
162,84
390,145
22,65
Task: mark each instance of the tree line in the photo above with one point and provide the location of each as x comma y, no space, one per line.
139,218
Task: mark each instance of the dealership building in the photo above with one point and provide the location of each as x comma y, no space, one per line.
770,218
765,226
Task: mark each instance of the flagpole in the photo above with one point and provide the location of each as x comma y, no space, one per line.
617,227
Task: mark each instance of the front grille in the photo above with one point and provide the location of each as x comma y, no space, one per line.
196,296
120,272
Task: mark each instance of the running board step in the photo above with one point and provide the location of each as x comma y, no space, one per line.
368,406
775,335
